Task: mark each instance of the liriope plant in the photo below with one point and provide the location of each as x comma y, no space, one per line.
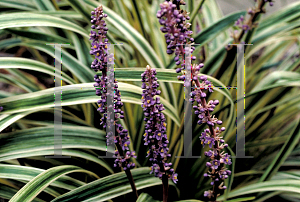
272,109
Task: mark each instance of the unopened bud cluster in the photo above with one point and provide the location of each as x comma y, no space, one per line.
174,24
99,41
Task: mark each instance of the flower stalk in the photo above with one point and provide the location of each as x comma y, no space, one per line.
107,87
250,23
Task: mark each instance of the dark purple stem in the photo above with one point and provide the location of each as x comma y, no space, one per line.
165,187
128,173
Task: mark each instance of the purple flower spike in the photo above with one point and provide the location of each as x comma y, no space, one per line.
100,49
173,19
155,127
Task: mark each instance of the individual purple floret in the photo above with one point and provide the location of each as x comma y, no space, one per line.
174,24
155,128
1,108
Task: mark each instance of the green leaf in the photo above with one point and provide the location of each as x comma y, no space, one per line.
41,138
274,77
65,152
26,173
285,151
111,186
40,182
288,13
63,13
78,6
13,81
196,10
79,47
23,19
143,197
38,35
44,99
7,119
287,175
22,5
190,200
44,5
242,199
260,187
81,71
23,63
5,43
230,179
8,192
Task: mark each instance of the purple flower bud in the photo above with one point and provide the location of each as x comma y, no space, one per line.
211,109
169,51
216,102
178,70
210,123
203,78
